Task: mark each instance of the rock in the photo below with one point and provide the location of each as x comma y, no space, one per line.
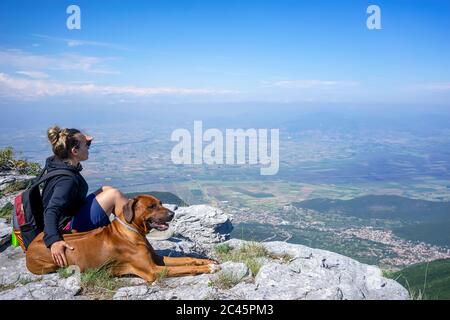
16,282
171,207
322,275
183,288
237,270
72,284
196,230
13,269
5,232
202,224
50,287
8,177
133,293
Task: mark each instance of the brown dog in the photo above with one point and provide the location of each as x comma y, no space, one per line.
122,245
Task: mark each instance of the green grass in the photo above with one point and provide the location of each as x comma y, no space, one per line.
6,211
224,280
64,273
99,283
247,253
15,186
4,287
223,248
161,276
427,281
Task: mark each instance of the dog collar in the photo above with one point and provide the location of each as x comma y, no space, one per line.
126,225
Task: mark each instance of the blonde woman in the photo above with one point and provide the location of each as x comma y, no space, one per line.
67,206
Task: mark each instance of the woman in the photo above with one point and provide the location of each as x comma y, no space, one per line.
66,203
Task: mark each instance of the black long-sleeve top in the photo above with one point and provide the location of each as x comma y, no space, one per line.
62,197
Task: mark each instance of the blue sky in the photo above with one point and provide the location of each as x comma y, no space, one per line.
225,51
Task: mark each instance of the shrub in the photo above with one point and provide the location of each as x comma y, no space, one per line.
6,158
7,162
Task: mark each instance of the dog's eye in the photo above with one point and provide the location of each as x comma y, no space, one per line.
153,206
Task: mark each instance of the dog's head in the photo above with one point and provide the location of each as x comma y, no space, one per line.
147,212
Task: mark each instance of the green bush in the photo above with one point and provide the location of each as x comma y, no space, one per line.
6,158
7,162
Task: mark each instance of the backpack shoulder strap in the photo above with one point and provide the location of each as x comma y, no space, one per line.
54,173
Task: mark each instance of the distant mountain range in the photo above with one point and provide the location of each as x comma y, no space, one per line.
165,197
422,220
382,207
426,281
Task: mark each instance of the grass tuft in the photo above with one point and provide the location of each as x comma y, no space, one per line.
161,276
64,273
223,248
15,186
99,283
4,287
224,280
6,211
248,253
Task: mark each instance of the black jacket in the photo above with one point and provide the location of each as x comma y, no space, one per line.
62,197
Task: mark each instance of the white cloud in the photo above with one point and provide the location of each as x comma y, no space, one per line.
33,74
311,84
77,43
63,62
22,88
436,87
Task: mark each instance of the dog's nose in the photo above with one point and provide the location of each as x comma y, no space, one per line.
171,214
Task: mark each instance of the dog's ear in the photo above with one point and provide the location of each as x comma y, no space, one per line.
128,210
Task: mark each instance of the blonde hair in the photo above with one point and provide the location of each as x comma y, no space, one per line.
62,141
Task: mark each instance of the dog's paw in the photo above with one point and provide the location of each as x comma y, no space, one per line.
213,268
212,261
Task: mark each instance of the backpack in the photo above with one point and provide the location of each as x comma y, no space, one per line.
28,214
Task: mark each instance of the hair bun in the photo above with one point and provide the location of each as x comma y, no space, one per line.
53,135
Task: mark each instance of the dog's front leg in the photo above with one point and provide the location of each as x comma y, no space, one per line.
185,261
179,271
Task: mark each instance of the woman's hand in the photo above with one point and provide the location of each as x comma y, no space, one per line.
58,249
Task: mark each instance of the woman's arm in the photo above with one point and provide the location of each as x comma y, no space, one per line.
63,194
